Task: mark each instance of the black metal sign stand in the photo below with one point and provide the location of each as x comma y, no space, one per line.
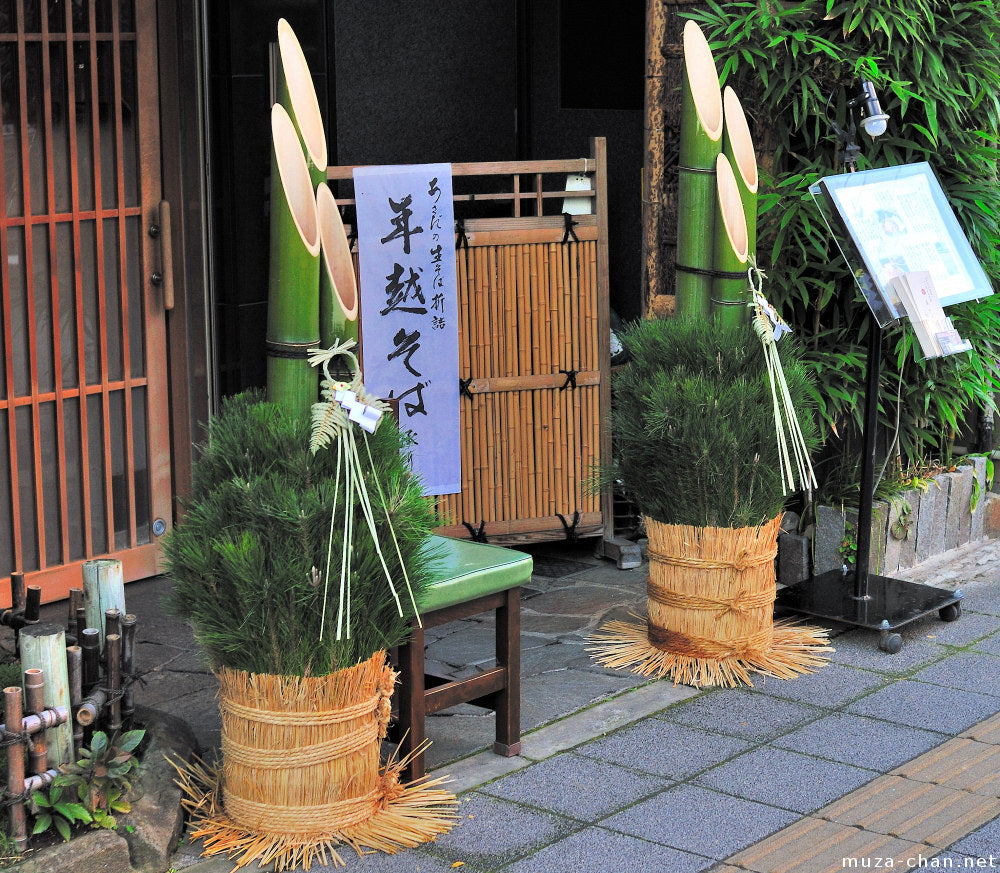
858,597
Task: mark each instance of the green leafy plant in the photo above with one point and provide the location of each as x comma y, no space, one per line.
249,560
936,64
849,545
694,423
50,810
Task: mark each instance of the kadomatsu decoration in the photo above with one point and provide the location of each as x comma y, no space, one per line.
300,556
698,454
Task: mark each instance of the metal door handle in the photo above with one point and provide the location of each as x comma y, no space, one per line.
165,275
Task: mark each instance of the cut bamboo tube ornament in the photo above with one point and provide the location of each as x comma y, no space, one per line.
112,622
43,646
32,603
293,273
338,288
737,145
18,597
13,715
74,671
103,589
700,144
128,624
113,677
34,703
730,293
297,94
711,611
90,643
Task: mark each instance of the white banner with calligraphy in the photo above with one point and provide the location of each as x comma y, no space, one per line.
409,309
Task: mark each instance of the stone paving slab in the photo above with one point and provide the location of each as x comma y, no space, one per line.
960,763
697,820
609,852
831,686
859,648
967,670
784,779
576,787
982,843
744,714
863,742
948,710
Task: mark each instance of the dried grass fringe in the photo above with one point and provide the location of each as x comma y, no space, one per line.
331,791
711,612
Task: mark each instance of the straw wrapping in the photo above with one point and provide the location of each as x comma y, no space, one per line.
702,647
331,716
742,602
318,753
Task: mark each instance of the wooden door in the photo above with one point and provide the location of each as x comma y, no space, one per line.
84,435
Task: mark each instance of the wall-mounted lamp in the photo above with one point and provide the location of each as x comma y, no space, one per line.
873,119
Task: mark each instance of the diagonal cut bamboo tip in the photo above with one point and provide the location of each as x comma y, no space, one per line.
734,217
295,180
740,140
302,94
703,80
336,251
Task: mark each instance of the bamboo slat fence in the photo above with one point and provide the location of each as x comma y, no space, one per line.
534,359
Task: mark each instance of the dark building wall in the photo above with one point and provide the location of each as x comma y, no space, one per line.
436,80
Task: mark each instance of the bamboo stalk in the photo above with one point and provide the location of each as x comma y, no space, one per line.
297,94
729,294
15,769
700,144
75,603
18,597
90,643
128,625
338,287
34,703
293,273
74,672
114,681
737,145
112,621
43,646
103,589
32,603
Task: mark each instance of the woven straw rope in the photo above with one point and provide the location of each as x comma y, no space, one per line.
740,604
744,561
699,647
303,719
303,819
303,756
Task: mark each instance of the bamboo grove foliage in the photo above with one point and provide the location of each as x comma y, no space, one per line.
694,423
247,556
936,66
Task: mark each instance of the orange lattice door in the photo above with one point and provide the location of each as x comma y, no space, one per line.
84,445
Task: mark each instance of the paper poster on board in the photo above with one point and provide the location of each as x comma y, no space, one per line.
409,309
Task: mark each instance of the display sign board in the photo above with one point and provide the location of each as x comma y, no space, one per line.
896,220
409,309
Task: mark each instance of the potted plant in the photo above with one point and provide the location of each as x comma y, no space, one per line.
291,563
698,453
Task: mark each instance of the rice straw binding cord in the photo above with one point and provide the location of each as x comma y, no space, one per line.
711,604
302,776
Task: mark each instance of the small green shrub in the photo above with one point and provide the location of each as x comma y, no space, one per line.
694,423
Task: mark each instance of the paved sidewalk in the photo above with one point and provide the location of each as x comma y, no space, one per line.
623,774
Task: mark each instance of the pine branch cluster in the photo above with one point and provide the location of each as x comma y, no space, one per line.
248,556
695,439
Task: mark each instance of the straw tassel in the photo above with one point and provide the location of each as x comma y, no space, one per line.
338,794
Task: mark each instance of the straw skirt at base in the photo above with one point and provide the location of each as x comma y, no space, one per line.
711,611
301,772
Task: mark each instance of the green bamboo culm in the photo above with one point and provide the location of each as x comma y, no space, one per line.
737,145
694,423
338,289
700,145
297,94
256,528
729,260
293,273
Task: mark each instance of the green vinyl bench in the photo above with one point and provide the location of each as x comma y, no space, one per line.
473,578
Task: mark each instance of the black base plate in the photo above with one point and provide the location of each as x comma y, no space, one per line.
890,604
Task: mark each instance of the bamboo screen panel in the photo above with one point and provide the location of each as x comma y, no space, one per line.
533,354
84,463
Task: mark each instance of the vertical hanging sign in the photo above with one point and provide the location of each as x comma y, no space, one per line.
409,309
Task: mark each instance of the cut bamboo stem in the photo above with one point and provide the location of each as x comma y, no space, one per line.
737,145
43,646
338,288
297,94
15,769
103,589
90,643
128,624
700,144
112,621
17,592
74,672
34,703
729,288
114,676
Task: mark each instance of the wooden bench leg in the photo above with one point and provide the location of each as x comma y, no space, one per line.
508,708
411,702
